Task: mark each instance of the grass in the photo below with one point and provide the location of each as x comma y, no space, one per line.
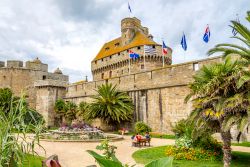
33,161
145,156
244,144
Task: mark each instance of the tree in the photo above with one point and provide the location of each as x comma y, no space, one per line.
82,108
244,37
71,110
218,102
110,105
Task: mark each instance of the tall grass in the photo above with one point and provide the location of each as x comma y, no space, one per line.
14,146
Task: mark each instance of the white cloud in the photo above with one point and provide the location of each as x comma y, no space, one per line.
68,34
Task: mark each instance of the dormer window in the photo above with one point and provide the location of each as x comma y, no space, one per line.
107,48
117,44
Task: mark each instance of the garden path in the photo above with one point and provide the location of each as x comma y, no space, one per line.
73,154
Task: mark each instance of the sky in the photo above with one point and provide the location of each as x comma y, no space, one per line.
69,33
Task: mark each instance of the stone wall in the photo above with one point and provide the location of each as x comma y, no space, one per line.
27,79
158,95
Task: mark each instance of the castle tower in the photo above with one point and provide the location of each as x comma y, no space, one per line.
113,59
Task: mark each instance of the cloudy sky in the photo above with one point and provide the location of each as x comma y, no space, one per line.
69,33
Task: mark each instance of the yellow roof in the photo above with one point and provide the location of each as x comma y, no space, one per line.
139,39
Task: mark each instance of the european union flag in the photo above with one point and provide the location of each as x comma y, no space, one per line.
183,42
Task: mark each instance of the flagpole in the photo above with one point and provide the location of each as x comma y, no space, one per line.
144,61
163,63
129,64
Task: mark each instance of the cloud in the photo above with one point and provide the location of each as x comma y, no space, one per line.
68,34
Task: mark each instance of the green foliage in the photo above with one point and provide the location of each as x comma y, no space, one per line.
82,108
141,127
110,105
68,110
244,144
166,162
109,150
183,141
14,147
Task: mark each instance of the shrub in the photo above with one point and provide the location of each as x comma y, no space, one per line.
141,127
184,153
183,141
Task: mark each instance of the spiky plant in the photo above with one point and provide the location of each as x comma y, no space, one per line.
82,108
110,105
14,146
218,103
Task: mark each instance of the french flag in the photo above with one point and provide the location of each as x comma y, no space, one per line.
206,35
164,48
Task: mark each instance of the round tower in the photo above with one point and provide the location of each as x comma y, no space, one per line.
129,26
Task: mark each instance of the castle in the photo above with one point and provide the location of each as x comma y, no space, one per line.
41,87
156,87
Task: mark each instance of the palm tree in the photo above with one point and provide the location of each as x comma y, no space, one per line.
82,108
244,37
218,103
71,110
110,105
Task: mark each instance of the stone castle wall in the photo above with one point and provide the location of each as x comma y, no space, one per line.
31,79
158,95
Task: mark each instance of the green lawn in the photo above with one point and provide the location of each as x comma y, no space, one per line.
147,155
244,144
33,161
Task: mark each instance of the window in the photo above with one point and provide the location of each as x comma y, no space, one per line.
102,75
138,47
119,53
110,74
95,62
142,66
44,77
107,48
110,57
127,50
195,66
117,44
153,46
102,59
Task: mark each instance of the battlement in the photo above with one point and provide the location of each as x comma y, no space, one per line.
169,76
36,65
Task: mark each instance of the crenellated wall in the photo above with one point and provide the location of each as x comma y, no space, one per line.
30,78
158,95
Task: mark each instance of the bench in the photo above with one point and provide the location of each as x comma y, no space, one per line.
141,142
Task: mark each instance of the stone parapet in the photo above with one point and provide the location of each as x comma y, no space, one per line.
14,64
48,82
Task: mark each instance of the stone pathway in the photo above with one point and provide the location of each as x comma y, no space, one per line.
73,154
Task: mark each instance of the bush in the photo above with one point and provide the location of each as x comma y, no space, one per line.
183,141
141,127
184,153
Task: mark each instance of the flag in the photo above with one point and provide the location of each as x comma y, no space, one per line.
129,8
183,42
148,49
164,48
206,35
133,54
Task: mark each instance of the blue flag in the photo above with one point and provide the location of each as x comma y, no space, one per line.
183,42
129,8
133,55
206,35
